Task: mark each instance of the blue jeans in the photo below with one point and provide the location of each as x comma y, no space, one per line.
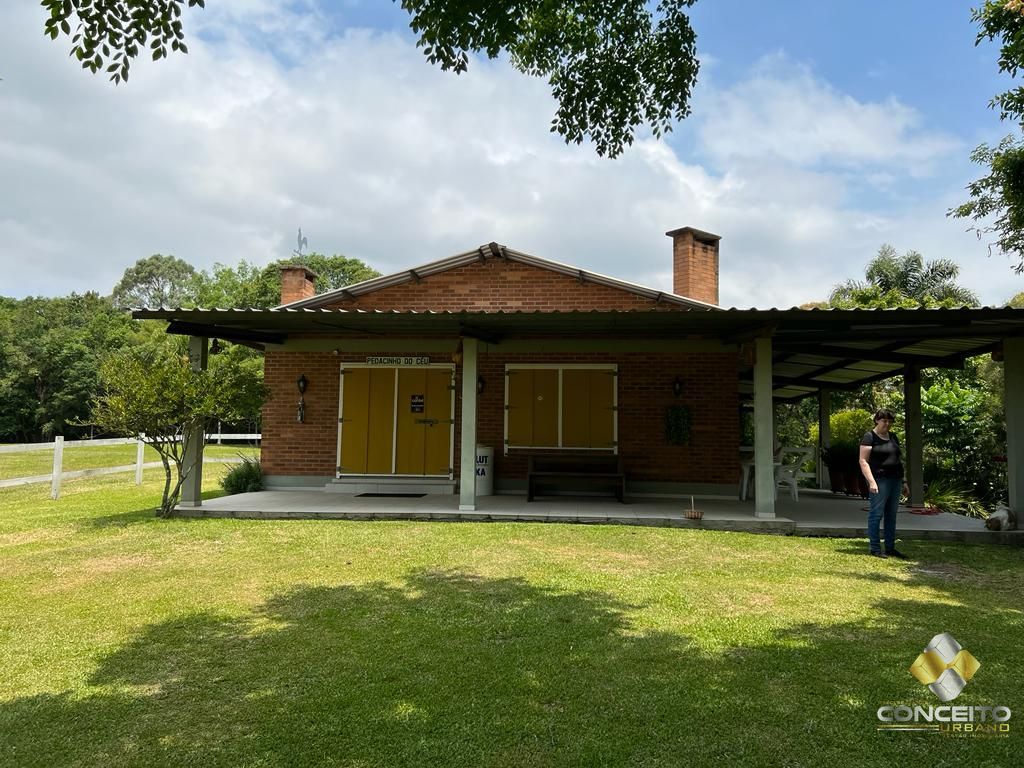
883,509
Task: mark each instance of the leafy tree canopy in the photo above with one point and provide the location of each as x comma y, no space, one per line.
50,353
996,206
611,66
907,281
248,285
155,281
152,392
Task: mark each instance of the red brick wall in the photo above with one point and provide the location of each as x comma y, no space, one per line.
290,448
710,388
695,267
644,387
500,285
297,283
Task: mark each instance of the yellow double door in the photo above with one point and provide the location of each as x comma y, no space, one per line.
395,421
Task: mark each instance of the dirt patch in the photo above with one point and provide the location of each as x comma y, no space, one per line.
102,565
76,577
26,537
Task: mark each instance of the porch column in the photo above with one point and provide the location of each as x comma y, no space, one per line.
764,469
824,436
1013,381
915,452
192,487
467,446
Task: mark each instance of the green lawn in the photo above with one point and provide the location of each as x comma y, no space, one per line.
31,463
129,640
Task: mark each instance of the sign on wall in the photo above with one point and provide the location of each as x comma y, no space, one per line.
398,361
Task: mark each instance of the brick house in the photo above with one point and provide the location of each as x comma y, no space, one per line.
404,375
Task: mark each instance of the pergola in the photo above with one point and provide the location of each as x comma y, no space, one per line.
786,355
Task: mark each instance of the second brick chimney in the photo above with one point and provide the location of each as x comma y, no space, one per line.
297,282
695,264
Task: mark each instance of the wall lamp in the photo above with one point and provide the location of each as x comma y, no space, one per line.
677,386
481,385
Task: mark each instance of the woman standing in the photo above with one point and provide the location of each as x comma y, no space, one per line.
882,465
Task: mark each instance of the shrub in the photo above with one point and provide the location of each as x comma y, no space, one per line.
245,477
949,497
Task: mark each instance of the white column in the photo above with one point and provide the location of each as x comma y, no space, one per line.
914,446
140,458
58,466
1013,381
824,435
764,468
467,446
192,488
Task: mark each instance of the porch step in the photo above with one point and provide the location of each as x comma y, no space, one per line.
353,486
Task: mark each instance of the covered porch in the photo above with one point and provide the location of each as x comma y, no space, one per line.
782,355
816,514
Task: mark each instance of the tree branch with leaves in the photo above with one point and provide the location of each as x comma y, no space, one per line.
612,67
997,200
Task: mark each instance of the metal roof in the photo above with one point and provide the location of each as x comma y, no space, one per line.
812,348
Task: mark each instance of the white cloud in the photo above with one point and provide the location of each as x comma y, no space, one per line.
784,112
220,155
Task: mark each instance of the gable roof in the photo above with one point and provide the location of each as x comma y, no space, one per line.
481,255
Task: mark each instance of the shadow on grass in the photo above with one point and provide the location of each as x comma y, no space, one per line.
449,669
145,515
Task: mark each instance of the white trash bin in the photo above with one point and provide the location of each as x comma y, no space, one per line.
484,470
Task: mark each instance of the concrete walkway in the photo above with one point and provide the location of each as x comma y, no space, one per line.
816,514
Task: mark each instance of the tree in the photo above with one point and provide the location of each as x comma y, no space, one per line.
154,394
611,66
248,285
50,353
904,281
997,200
156,281
963,420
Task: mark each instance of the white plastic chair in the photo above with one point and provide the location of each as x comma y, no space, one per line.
791,459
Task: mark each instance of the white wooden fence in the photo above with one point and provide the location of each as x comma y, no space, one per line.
57,446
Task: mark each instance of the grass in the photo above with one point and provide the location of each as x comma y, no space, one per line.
129,640
32,463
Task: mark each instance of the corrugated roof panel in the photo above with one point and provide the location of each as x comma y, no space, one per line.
816,360
784,369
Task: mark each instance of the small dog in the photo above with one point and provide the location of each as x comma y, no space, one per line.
1002,519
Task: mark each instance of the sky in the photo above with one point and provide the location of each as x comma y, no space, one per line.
819,131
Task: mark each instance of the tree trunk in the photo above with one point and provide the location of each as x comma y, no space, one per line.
166,504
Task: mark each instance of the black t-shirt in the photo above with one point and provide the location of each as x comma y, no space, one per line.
885,460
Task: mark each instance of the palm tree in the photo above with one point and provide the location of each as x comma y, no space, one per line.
907,280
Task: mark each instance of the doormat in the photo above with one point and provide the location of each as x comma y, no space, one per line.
390,495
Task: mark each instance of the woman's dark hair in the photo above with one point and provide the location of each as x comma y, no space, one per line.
884,413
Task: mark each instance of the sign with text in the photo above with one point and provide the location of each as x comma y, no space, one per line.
416,403
398,361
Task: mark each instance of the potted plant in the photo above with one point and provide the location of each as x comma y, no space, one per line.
842,457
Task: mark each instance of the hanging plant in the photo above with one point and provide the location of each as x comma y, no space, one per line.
677,425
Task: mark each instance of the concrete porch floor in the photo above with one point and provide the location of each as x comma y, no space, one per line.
816,514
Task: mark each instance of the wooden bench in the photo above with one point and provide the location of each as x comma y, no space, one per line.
548,470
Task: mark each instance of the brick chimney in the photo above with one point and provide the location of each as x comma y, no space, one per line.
695,264
297,282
